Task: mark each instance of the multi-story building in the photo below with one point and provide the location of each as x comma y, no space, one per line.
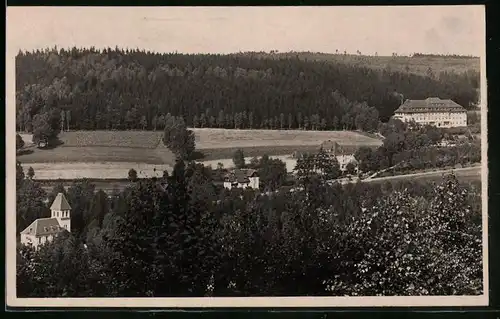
432,111
43,230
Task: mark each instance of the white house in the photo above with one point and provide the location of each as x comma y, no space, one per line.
343,157
45,229
242,178
432,111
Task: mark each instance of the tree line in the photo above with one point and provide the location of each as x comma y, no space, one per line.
188,239
131,89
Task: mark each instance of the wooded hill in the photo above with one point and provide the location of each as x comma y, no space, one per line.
417,63
133,89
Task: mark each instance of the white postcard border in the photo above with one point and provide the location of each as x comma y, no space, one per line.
206,302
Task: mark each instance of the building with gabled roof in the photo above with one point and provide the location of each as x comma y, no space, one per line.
343,157
241,178
43,230
432,111
332,148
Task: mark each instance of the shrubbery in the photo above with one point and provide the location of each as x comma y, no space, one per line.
408,147
438,157
188,240
178,138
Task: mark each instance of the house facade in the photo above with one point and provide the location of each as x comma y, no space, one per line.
242,178
432,111
43,230
343,157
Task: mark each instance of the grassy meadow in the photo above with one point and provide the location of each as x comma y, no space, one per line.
110,154
211,144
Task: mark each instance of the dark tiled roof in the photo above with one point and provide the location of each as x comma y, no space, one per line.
431,104
60,203
42,227
240,175
332,147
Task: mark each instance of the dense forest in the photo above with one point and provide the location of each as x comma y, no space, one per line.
132,89
188,239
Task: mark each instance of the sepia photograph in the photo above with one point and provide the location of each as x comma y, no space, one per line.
246,156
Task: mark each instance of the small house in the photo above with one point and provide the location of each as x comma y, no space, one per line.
241,178
343,157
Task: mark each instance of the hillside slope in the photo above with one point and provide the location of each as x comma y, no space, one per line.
418,64
123,89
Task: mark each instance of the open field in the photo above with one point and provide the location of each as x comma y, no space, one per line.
113,170
133,139
90,154
53,171
212,144
209,138
415,64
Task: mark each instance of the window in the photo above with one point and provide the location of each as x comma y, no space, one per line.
65,226
39,240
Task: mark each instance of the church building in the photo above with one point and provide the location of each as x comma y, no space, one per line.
45,229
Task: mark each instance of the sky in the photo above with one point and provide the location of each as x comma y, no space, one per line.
403,30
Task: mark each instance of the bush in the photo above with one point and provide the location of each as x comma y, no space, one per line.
406,238
405,245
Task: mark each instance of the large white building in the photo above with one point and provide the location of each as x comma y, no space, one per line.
432,111
45,229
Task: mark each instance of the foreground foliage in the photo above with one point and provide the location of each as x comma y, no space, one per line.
186,238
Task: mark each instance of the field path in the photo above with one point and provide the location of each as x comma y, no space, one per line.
473,172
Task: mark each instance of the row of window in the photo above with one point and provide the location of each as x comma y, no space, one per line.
61,214
40,239
435,117
445,123
422,118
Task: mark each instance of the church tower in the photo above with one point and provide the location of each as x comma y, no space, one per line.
61,210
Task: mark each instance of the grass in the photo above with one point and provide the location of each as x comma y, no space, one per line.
221,138
94,170
89,154
416,65
132,139
146,147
